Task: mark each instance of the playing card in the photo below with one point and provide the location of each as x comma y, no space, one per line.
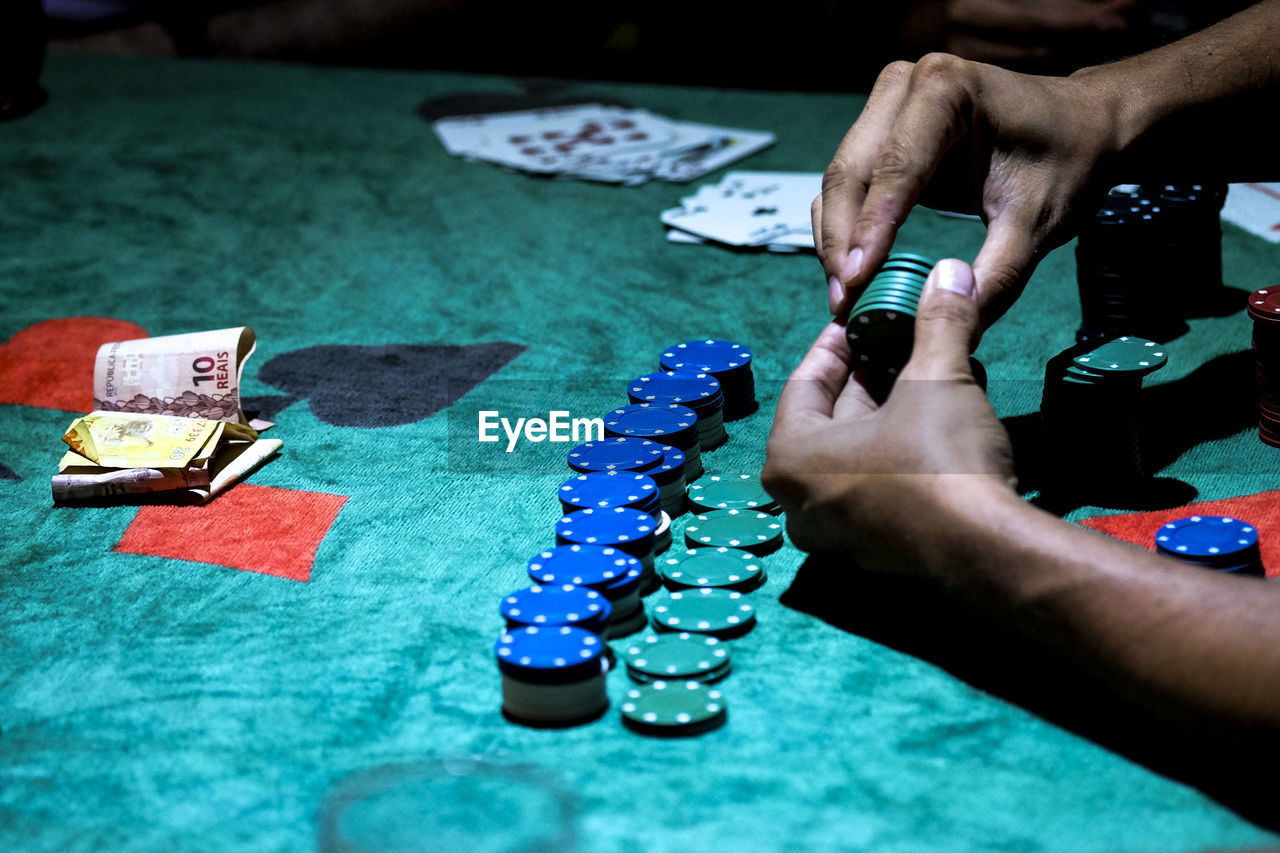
750,209
1255,208
598,143
706,148
556,139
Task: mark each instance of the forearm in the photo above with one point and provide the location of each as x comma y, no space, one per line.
1188,645
1199,108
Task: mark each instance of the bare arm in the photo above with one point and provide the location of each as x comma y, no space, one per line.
923,485
1033,154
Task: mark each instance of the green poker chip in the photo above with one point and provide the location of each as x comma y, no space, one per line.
743,491
751,530
911,256
682,656
674,708
719,568
1125,356
718,613
901,277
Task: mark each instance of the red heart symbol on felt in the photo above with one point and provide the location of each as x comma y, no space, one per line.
50,364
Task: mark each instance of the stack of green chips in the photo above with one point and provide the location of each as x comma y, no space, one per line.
1091,414
881,324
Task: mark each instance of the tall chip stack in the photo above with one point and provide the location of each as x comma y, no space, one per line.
728,362
663,463
612,573
1123,272
1264,309
1091,415
668,423
1192,228
698,391
552,676
630,531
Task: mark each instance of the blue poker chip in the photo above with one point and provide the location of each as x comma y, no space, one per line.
653,420
708,355
558,654
699,391
629,530
619,453
598,567
1209,539
566,604
604,489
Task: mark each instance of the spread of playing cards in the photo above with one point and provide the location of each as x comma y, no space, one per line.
758,209
598,143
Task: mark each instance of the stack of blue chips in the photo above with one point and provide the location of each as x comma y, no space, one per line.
667,423
615,575
616,454
663,463
631,531
563,604
552,675
1215,542
698,391
728,362
609,489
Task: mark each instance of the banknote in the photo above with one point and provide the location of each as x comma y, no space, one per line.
79,483
116,454
194,375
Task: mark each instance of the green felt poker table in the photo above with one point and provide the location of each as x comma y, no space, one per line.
308,659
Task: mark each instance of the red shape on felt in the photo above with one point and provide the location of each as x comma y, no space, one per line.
251,528
50,364
1261,510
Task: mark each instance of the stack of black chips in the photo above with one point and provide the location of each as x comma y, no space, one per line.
1092,419
1150,258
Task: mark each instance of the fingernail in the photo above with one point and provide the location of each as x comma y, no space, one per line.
953,275
852,264
835,294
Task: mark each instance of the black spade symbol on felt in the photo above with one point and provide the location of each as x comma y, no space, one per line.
365,386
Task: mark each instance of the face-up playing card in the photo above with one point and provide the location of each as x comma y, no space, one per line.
598,143
551,140
751,209
1255,208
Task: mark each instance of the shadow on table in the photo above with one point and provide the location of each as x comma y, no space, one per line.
1216,400
916,618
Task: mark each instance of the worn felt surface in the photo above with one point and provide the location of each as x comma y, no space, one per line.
312,653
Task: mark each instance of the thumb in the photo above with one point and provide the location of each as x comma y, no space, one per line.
946,323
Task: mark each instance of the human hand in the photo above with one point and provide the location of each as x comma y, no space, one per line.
889,483
1024,152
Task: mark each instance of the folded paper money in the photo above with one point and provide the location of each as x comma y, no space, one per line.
115,455
167,421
